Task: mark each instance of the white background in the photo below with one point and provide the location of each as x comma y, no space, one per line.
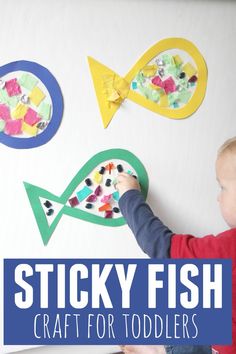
178,155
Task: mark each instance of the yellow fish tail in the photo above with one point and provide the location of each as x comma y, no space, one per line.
111,89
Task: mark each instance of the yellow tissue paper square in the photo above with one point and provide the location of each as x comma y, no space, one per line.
20,111
164,101
121,86
28,129
189,70
157,88
113,96
178,60
36,96
149,70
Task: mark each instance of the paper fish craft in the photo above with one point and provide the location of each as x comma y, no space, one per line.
31,105
90,196
169,79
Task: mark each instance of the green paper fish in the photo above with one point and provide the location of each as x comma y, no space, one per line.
77,193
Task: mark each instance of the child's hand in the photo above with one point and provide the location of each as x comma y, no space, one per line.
125,182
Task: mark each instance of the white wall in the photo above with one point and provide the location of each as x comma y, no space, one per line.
178,155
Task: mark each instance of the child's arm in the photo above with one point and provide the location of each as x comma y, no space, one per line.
151,234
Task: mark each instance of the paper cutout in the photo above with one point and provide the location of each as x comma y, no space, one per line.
4,112
31,117
11,101
36,96
184,96
164,102
28,81
20,111
149,70
13,127
110,97
2,124
36,131
178,60
29,129
189,69
38,196
45,110
12,87
169,85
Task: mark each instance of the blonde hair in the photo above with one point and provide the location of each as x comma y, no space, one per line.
228,146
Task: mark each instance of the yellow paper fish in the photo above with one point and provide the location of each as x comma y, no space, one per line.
162,82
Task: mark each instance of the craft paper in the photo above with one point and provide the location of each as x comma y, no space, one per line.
2,124
29,129
111,89
11,101
69,206
24,88
13,87
28,81
36,96
189,69
4,112
13,127
45,110
20,111
31,117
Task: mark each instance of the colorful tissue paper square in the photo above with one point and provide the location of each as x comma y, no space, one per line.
12,101
20,111
149,70
13,127
157,81
4,112
155,96
3,96
169,85
28,129
164,102
189,69
31,117
45,110
173,70
28,81
36,96
145,91
184,96
177,59
173,97
2,125
168,59
12,87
